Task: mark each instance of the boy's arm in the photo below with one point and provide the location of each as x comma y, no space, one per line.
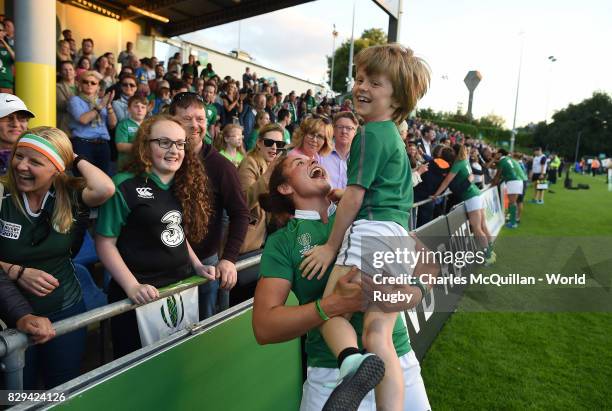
318,259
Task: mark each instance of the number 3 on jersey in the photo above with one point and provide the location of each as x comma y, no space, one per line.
173,235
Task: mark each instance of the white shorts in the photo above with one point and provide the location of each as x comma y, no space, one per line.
514,187
474,203
320,382
364,238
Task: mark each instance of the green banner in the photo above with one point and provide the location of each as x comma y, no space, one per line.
222,368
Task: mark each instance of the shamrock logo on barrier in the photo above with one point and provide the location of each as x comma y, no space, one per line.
171,312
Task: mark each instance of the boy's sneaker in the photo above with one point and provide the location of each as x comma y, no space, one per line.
356,380
490,261
510,225
540,202
533,201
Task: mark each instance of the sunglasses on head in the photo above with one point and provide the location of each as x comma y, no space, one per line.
268,142
187,94
91,83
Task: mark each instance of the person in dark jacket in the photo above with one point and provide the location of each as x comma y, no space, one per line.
189,109
430,181
17,312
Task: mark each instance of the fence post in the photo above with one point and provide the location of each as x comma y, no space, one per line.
13,346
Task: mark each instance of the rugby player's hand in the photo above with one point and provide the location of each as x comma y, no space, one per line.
348,287
206,271
40,329
227,274
142,293
37,282
316,261
335,195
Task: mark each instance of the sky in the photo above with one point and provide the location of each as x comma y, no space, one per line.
454,37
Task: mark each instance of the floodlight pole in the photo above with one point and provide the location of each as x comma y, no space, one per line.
518,84
331,74
349,83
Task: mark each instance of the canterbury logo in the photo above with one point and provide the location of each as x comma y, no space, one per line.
144,192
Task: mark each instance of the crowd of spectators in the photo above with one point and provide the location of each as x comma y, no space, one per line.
214,144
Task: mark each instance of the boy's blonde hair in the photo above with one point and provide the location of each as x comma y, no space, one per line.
409,75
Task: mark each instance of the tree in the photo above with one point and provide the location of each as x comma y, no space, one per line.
370,37
492,120
591,118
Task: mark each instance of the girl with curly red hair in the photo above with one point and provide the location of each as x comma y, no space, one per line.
143,231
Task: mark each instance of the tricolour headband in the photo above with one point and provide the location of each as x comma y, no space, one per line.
44,147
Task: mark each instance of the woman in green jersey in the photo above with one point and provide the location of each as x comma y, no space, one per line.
38,236
297,200
459,180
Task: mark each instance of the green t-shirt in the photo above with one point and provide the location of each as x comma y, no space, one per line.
286,136
31,241
509,169
463,171
520,170
6,69
125,133
236,160
211,118
251,140
281,258
378,163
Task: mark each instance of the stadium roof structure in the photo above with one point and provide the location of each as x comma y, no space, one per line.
184,16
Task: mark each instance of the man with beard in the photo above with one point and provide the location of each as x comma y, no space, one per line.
189,109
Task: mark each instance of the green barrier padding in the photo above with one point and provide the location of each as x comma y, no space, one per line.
221,369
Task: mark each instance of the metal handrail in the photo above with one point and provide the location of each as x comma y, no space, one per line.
10,340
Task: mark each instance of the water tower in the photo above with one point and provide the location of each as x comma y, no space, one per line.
471,81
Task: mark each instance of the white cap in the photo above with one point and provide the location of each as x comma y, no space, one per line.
10,104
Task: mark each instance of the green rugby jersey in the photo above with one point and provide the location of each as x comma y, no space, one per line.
31,241
378,163
462,170
281,258
509,168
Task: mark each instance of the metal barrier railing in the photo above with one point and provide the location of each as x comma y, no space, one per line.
13,343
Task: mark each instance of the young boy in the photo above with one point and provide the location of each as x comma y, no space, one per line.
376,207
127,128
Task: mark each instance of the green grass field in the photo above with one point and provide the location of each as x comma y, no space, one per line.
531,360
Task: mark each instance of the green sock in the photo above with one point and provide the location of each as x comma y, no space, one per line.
512,210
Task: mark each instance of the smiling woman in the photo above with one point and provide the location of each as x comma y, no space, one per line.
155,212
254,173
313,139
38,237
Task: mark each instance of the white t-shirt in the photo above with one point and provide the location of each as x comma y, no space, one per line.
538,167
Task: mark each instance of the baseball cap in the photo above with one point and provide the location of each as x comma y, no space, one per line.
10,104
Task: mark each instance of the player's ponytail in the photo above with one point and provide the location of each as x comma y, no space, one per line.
280,206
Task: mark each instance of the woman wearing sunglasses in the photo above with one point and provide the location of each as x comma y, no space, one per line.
254,173
90,119
127,89
144,230
313,139
38,235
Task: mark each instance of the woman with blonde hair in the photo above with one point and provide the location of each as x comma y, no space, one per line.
254,174
90,119
230,144
38,207
144,231
313,139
